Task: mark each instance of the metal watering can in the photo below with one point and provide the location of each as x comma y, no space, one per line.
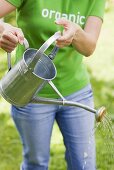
21,84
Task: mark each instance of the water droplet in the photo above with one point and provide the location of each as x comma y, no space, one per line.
89,142
83,167
85,155
85,162
106,132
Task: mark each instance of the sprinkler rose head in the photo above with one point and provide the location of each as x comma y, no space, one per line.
100,113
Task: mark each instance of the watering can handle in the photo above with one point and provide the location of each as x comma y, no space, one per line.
26,45
46,45
43,48
53,52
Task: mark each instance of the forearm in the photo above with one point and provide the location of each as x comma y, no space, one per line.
1,27
84,42
5,8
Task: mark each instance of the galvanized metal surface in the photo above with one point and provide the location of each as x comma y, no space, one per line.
20,85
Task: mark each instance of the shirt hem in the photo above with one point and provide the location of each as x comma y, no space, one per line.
65,93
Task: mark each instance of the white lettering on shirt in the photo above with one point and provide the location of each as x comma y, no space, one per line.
45,13
82,20
51,13
76,18
57,15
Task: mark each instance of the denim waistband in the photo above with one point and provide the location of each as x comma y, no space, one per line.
81,94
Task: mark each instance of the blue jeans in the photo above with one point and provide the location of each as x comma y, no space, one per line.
35,122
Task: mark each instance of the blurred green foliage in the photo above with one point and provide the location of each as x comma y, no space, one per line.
11,18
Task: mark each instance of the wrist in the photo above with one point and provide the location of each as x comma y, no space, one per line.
77,32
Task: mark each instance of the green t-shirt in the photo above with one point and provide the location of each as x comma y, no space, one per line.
36,19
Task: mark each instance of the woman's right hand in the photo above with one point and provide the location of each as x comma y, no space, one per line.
10,36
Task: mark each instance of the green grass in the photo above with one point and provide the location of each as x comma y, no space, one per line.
101,69
10,148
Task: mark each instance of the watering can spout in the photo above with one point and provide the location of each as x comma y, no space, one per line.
99,114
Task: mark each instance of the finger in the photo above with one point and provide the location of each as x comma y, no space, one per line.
66,37
20,35
7,49
7,43
69,41
10,36
63,22
68,29
63,44
64,40
60,46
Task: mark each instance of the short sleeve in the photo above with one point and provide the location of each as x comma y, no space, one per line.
97,8
16,3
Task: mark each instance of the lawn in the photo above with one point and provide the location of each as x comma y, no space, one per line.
101,69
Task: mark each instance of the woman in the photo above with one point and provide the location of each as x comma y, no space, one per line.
81,22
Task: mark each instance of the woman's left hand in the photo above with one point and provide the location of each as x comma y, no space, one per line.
68,34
